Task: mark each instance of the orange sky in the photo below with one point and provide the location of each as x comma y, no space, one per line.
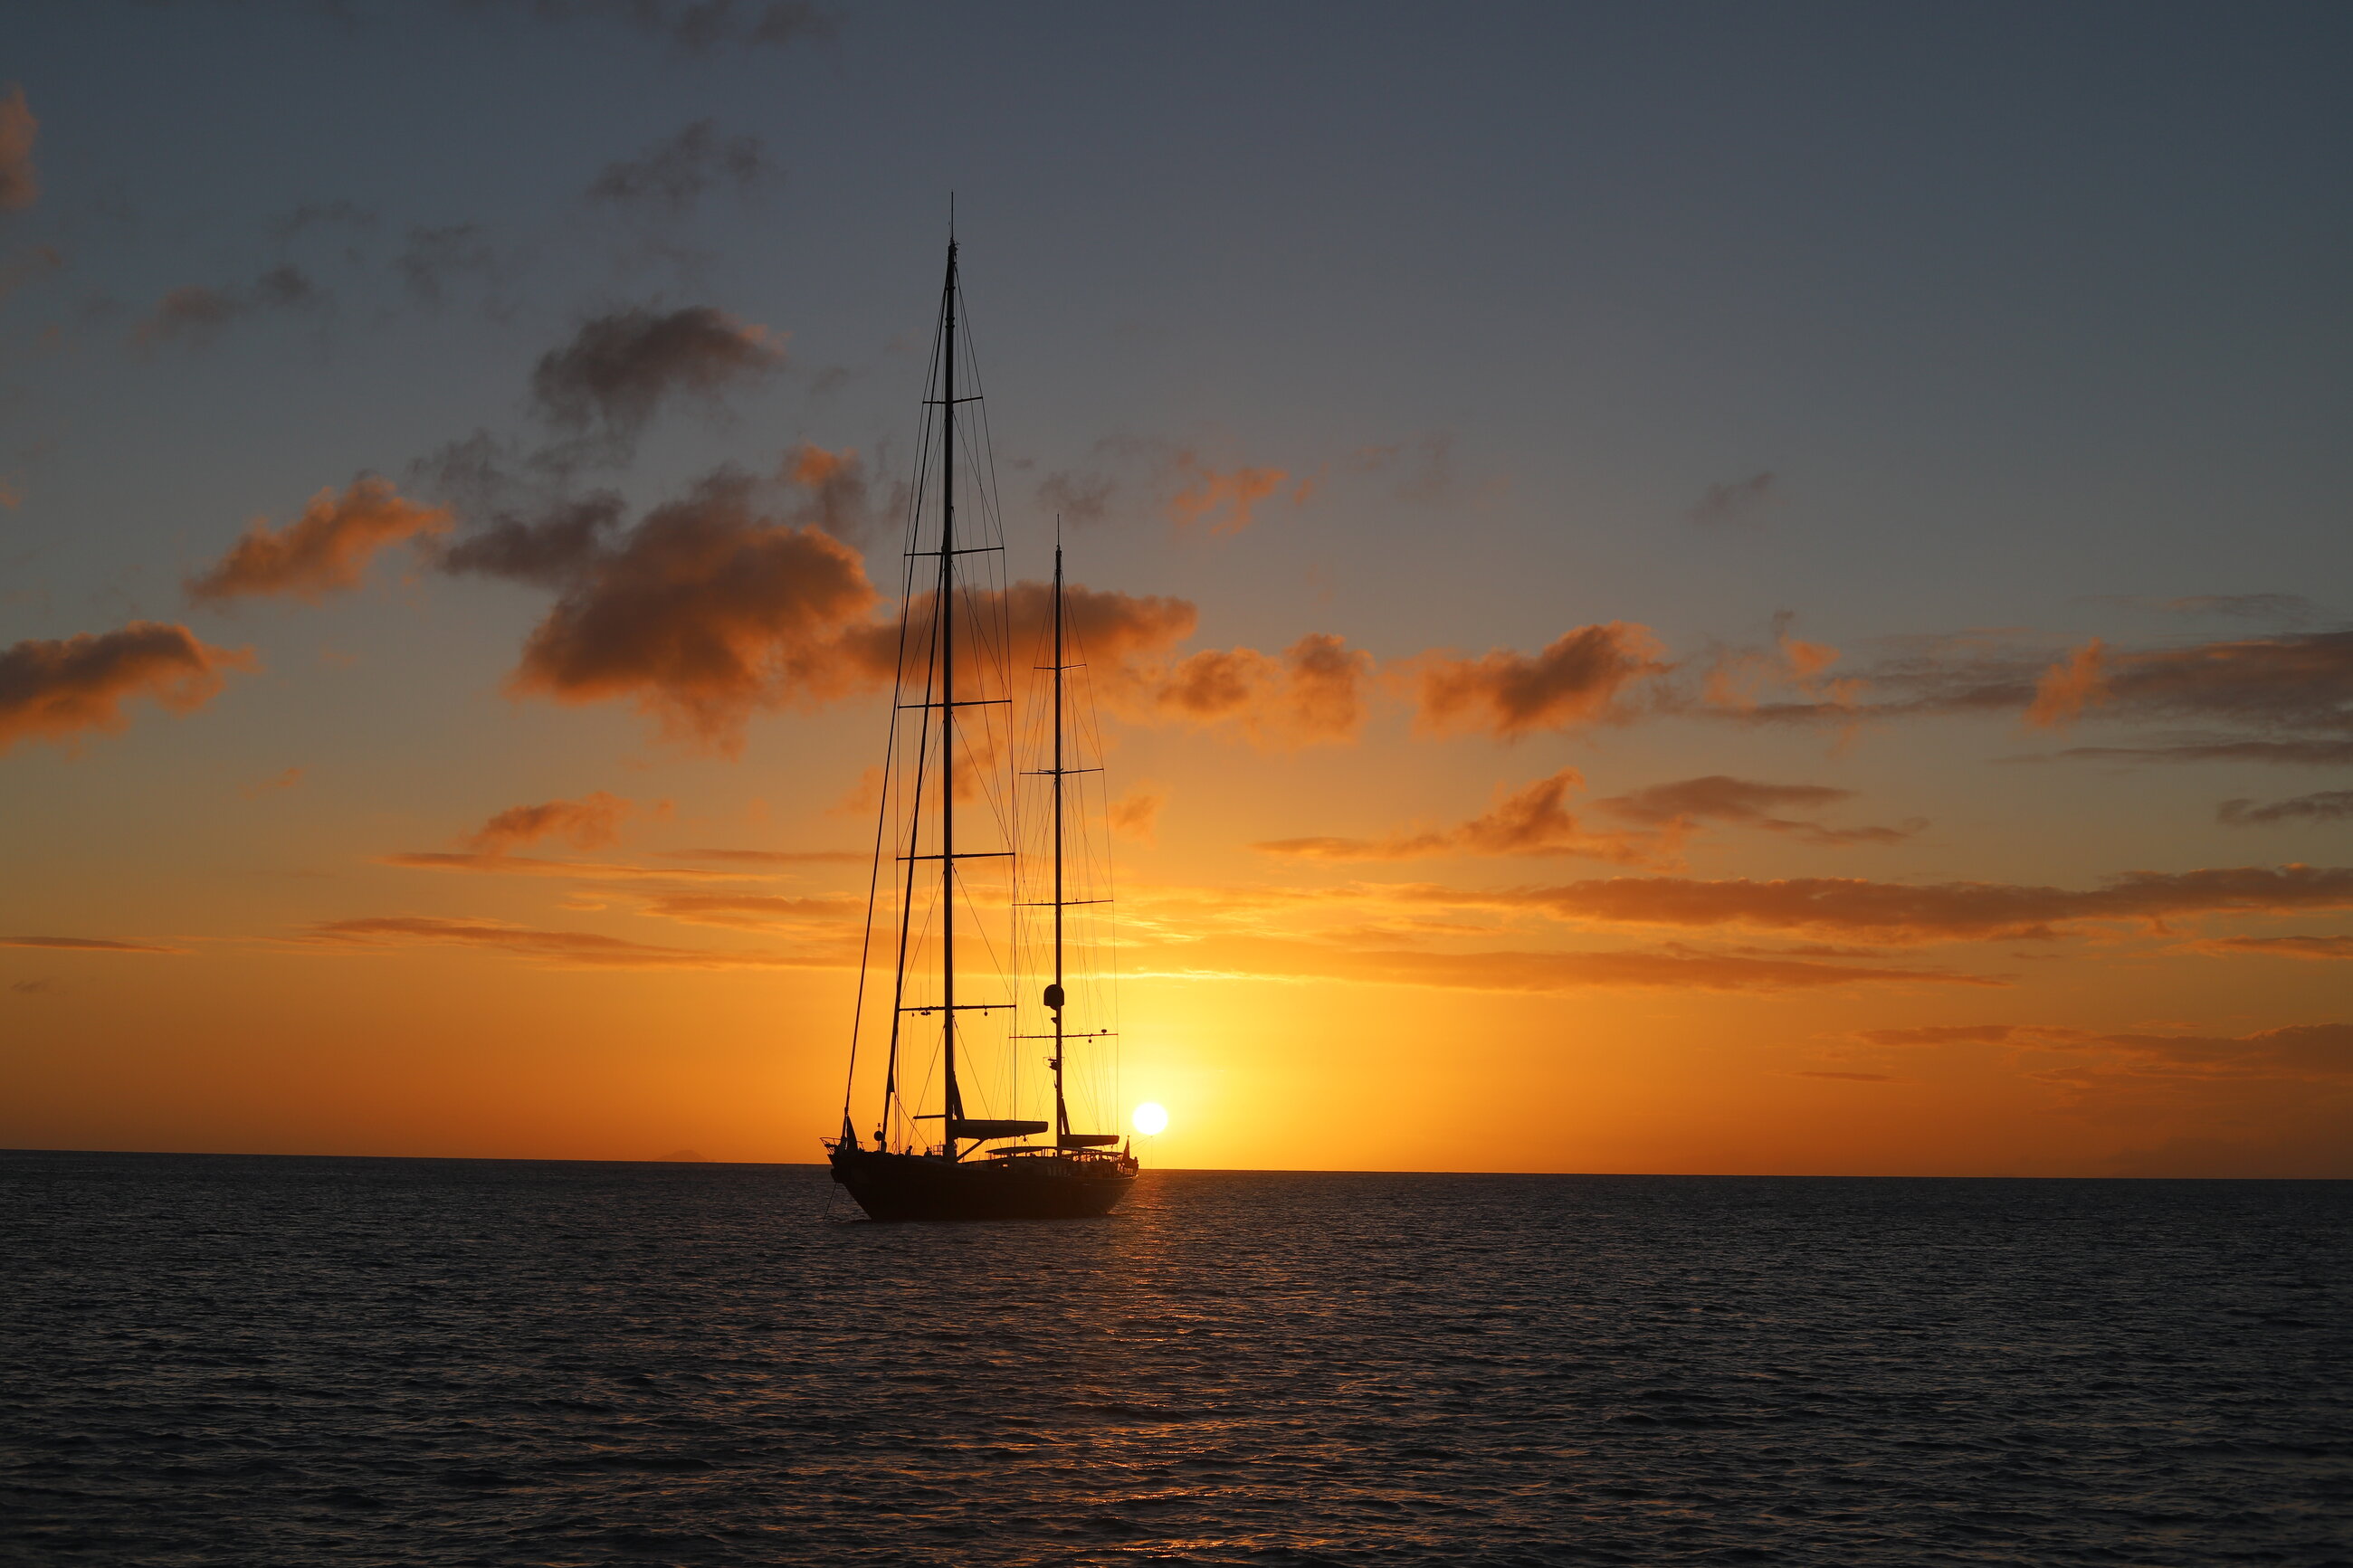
1746,621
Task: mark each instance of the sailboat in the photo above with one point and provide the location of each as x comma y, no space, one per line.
937,1153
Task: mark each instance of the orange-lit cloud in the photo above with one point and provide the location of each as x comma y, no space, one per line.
702,614
1915,912
20,184
619,368
838,493
1675,808
53,689
1523,970
2068,686
1315,692
324,551
1532,821
1583,678
1738,678
589,823
1223,502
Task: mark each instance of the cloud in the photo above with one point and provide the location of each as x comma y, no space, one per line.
2327,805
2322,948
619,368
672,174
2302,1051
194,312
549,549
2284,753
589,823
1581,679
20,183
324,551
1518,971
85,944
1675,807
271,785
1736,501
1424,469
1223,502
769,857
1313,693
501,863
1738,678
2067,687
1531,822
52,690
558,949
754,911
720,604
705,612
1855,1077
838,493
1079,497
1912,913
1136,813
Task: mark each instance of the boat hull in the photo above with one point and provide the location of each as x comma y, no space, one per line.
923,1186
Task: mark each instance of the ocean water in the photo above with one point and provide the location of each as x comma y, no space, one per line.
238,1361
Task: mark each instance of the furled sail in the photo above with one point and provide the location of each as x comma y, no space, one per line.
977,1129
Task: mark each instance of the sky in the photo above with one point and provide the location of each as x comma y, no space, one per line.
1682,588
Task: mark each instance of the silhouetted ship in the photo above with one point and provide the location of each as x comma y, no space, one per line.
937,1153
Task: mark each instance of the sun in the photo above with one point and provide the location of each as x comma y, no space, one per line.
1150,1119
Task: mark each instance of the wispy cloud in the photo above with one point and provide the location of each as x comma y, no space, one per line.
1675,808
2327,805
194,312
591,822
1532,821
673,175
1914,913
1736,501
324,551
85,944
557,948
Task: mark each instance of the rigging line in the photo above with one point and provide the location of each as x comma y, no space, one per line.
914,832
882,816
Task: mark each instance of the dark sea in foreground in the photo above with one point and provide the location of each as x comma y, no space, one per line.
241,1361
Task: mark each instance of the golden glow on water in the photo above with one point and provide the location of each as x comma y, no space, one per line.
1151,1119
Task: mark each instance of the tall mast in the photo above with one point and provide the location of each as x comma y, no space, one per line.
951,1104
1061,1109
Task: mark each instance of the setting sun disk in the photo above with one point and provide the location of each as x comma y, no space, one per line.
1150,1119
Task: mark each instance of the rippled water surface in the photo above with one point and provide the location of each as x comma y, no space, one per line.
287,1361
